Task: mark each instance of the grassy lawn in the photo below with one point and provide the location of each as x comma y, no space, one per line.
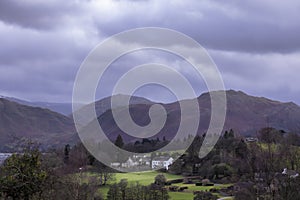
193,187
188,194
181,195
146,178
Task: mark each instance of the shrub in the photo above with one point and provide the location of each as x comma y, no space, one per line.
198,184
175,181
181,189
173,188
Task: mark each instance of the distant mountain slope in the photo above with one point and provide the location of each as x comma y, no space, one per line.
20,121
103,105
245,114
62,108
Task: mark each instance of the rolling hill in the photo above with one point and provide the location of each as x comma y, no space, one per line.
19,121
62,108
245,114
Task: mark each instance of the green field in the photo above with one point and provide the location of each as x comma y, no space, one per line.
146,178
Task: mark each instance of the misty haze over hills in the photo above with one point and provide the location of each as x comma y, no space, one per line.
245,114
62,108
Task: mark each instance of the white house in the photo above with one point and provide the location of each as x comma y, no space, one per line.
130,163
162,162
134,161
291,173
251,139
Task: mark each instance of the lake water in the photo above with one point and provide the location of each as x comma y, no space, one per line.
4,156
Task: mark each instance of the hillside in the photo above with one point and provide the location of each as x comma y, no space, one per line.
19,121
62,108
103,105
245,114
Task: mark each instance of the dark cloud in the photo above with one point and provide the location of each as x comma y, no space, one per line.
33,14
254,43
250,26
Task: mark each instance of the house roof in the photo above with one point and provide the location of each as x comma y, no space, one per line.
291,173
161,158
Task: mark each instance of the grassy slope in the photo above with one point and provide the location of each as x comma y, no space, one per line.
146,178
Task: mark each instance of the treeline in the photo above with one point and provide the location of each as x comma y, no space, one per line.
57,174
260,163
135,191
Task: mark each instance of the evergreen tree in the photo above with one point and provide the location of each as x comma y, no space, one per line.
22,176
119,141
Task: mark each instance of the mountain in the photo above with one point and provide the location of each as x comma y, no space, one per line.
245,114
103,105
27,120
62,108
19,121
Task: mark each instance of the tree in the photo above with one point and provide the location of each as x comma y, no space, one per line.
222,170
114,192
241,151
205,196
160,180
123,188
104,172
270,135
22,175
66,153
124,191
119,141
194,148
289,188
229,134
244,194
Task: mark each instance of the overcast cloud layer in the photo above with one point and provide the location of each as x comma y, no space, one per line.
255,44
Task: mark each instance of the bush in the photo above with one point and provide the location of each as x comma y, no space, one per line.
187,181
200,195
173,188
213,190
160,179
181,189
175,181
244,194
198,184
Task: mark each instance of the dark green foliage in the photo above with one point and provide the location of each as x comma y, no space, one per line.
229,134
198,184
66,153
270,135
114,192
289,188
222,170
22,176
241,150
204,196
244,194
124,191
119,141
160,180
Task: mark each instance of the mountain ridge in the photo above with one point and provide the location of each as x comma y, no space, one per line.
18,121
245,114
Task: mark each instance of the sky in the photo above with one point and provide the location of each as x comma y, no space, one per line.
255,44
